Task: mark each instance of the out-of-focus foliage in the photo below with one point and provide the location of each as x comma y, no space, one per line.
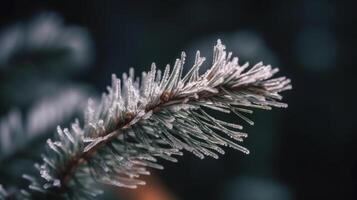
41,54
45,41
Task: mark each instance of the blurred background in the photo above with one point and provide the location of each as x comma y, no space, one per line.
54,55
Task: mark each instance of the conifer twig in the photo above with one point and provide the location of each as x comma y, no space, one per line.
140,120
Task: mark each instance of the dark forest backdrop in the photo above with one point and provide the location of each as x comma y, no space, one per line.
307,151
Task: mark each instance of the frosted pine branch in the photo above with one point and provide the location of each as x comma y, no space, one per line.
157,116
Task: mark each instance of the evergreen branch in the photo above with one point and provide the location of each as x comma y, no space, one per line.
157,117
18,135
3,193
